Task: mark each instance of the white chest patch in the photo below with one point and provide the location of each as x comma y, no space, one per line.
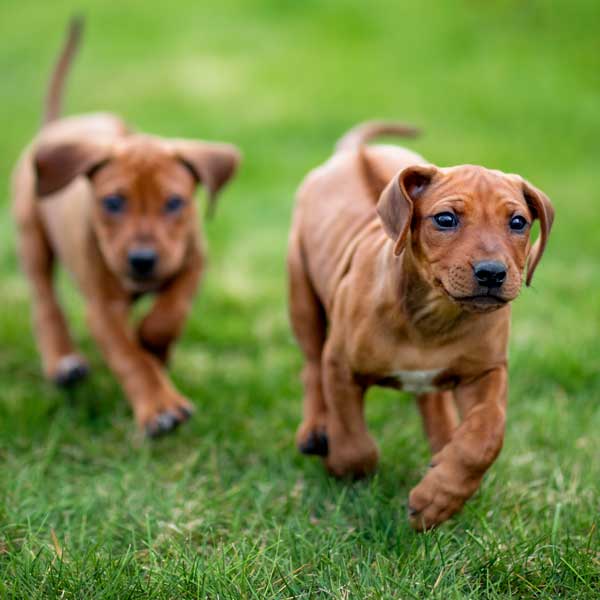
417,381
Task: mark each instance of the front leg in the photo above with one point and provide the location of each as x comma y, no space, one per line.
457,469
157,406
164,323
352,450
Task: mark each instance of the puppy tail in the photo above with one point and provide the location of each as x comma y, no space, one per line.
363,132
53,102
356,139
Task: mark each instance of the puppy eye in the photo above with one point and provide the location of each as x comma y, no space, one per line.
446,220
174,204
113,204
517,223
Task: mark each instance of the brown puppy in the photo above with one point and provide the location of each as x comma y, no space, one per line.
401,275
117,208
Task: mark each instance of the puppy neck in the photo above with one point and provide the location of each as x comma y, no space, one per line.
427,309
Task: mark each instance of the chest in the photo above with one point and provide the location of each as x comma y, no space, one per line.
387,352
417,381
409,367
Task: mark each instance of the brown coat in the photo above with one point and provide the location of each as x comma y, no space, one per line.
117,209
381,294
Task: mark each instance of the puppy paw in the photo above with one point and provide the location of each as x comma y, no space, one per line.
167,420
354,458
71,369
440,495
315,442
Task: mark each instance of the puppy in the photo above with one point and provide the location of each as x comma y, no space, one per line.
401,274
117,209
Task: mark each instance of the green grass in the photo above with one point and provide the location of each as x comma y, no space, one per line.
226,508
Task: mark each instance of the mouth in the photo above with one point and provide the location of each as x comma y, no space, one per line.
486,299
141,283
141,277
480,303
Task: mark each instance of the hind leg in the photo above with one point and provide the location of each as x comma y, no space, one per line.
61,363
308,322
440,418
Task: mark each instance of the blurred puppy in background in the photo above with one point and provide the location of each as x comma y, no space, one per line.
117,209
401,274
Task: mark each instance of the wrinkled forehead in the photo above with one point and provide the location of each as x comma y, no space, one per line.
144,163
474,187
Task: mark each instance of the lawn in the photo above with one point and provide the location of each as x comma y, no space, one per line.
226,508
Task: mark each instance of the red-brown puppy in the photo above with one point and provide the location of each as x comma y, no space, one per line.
401,274
117,208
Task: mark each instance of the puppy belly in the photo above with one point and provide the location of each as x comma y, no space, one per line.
417,382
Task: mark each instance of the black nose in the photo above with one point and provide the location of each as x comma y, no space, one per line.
490,273
142,261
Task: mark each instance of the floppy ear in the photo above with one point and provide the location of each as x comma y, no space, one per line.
395,205
542,209
57,165
212,164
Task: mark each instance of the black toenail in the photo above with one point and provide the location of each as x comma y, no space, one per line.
316,444
186,411
162,424
72,375
167,421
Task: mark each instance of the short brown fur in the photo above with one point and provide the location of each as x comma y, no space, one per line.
60,187
378,293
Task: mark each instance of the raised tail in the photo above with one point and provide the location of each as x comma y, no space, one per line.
363,132
356,139
53,101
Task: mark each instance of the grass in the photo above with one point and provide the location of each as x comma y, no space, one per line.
226,508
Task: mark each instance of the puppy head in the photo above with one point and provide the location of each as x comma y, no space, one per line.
468,229
143,211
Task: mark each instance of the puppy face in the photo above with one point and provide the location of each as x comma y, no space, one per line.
469,230
143,212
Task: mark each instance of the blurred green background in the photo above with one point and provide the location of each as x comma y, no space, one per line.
226,508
